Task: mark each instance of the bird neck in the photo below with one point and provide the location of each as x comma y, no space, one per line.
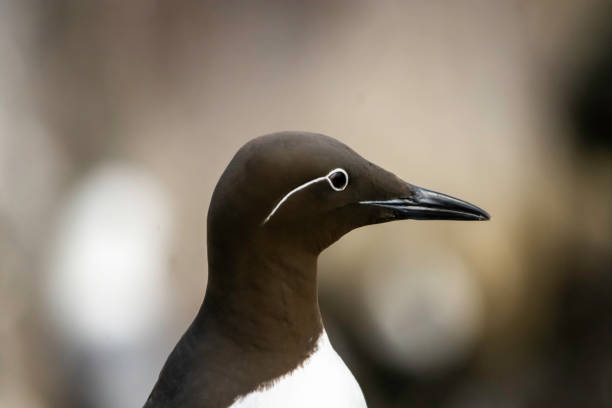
264,297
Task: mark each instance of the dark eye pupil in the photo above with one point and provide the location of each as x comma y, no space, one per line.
338,179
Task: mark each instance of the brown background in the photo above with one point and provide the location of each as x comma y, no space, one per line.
117,118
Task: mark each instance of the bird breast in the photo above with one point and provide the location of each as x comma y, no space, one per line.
322,380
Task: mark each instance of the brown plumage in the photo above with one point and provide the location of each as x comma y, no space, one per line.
260,316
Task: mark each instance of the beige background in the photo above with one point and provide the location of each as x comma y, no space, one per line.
117,118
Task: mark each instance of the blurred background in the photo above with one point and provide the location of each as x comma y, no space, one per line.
117,118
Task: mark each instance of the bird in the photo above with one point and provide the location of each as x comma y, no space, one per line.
258,339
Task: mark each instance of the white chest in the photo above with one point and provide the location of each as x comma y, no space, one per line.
323,380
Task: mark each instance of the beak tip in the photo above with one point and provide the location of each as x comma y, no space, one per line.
483,215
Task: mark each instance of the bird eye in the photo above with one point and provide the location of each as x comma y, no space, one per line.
338,179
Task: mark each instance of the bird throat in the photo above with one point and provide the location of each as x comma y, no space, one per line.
265,298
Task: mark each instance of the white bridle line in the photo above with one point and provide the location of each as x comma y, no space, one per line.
303,186
295,190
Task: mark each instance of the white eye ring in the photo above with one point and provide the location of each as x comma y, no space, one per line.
331,183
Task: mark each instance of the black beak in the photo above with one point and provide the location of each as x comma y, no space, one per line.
425,204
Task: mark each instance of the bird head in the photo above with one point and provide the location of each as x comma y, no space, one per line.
306,190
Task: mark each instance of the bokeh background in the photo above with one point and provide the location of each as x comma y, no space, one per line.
118,117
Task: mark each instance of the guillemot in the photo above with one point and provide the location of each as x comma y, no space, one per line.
258,339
